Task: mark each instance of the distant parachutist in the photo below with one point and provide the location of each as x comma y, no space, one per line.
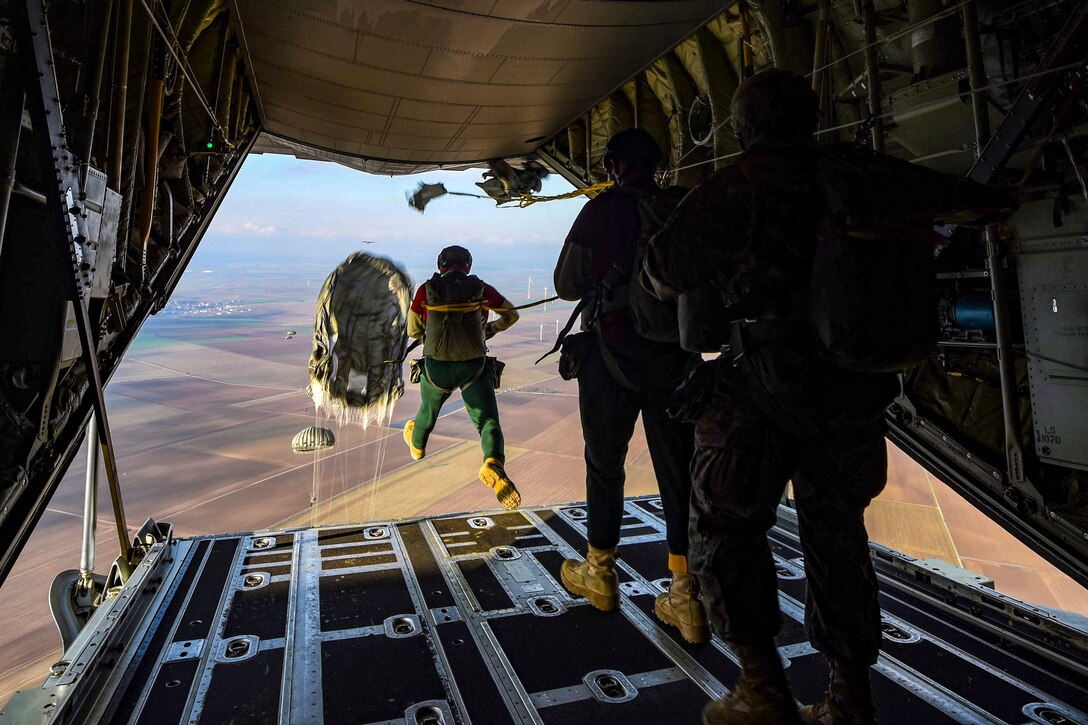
360,340
312,439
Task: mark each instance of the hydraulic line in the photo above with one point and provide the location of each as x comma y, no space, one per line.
90,117
872,75
120,94
153,115
175,50
11,124
819,54
747,69
977,76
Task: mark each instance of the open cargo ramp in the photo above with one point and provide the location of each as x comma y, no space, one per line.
461,619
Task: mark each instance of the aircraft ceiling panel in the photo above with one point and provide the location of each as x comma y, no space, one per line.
286,84
528,71
459,65
522,114
457,81
451,112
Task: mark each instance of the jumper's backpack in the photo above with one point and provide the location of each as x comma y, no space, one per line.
653,319
454,329
873,303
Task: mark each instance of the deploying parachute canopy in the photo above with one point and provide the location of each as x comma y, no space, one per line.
312,439
359,340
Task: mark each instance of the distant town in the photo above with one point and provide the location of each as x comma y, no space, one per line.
205,309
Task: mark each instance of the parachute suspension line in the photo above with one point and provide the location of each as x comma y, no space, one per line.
374,485
314,492
342,485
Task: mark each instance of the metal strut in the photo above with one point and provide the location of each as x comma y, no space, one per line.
1010,401
1069,47
67,220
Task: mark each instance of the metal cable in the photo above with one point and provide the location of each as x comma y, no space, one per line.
174,46
889,113
894,36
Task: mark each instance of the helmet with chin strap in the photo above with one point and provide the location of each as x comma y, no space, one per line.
633,146
454,257
776,105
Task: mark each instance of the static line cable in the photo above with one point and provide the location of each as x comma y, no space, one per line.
523,200
931,20
179,56
890,113
1064,363
894,36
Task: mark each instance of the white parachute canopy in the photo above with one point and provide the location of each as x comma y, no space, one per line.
360,340
313,438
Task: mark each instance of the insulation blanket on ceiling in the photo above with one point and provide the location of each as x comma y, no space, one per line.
359,340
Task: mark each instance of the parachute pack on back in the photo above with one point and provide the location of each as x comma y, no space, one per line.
653,319
873,305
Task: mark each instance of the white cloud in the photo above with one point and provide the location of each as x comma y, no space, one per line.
252,228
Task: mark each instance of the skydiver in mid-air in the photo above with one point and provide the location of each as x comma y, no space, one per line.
449,312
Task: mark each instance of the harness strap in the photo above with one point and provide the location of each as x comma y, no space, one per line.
611,364
475,376
456,307
473,306
582,304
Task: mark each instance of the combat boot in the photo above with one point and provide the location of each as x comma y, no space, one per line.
493,475
595,578
761,697
681,607
849,698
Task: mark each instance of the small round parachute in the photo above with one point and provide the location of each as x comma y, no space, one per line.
360,340
312,439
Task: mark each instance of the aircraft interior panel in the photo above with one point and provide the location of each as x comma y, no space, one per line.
123,124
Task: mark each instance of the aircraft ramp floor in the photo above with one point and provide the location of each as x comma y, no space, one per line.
461,619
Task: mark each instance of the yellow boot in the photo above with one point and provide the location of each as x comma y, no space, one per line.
417,453
494,477
595,578
680,607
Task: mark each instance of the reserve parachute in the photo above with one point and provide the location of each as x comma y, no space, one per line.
360,340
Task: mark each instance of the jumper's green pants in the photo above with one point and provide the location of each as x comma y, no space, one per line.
440,378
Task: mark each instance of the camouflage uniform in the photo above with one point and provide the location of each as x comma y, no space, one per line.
742,463
751,229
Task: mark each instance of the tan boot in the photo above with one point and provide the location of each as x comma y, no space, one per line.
849,698
761,697
595,578
681,607
417,453
493,475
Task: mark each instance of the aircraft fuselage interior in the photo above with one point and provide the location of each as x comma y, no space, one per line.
122,126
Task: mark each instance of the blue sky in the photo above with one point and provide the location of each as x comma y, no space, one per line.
283,209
